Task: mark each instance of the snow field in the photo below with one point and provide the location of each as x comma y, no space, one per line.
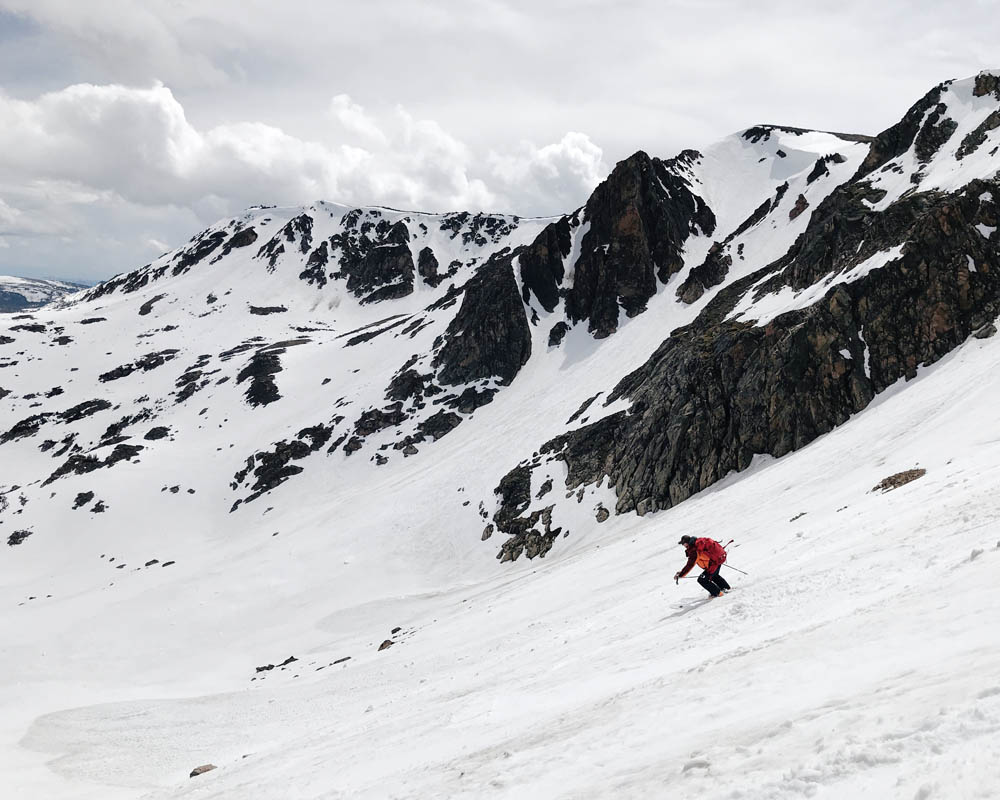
858,655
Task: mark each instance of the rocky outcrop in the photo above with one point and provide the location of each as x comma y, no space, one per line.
489,337
541,264
145,363
711,272
297,231
147,307
202,248
972,141
374,256
244,237
640,218
81,464
427,267
896,140
801,204
260,371
820,168
271,468
721,391
936,130
987,83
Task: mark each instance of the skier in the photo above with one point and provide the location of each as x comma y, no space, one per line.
710,556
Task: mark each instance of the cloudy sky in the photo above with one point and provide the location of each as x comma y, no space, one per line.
126,126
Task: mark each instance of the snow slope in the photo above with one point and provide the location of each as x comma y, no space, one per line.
279,504
858,655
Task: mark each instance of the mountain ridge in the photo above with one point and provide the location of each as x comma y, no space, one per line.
473,293
367,502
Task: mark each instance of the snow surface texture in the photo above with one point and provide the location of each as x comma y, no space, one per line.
151,606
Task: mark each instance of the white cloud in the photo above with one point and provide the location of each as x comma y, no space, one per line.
15,222
564,172
354,119
117,150
139,144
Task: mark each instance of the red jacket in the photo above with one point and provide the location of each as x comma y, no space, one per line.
705,552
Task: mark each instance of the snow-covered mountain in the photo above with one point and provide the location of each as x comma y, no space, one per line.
26,294
313,432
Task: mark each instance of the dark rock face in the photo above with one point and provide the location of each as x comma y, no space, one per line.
895,141
489,336
272,468
298,229
407,384
82,499
711,272
721,391
387,266
81,464
639,219
265,310
377,419
263,366
242,238
975,138
203,247
315,271
115,429
374,256
145,363
17,537
987,83
936,130
439,424
146,307
557,334
28,426
83,410
478,229
542,264
427,267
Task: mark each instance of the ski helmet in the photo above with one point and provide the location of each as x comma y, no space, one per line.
686,540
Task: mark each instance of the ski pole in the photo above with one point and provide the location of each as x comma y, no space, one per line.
738,570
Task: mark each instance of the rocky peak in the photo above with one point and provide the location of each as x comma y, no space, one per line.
987,83
639,219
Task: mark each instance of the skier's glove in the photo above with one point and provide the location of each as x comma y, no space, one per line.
677,577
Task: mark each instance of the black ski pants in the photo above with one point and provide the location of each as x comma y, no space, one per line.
713,582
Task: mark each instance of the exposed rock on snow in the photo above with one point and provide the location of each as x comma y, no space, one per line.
17,537
899,479
202,770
